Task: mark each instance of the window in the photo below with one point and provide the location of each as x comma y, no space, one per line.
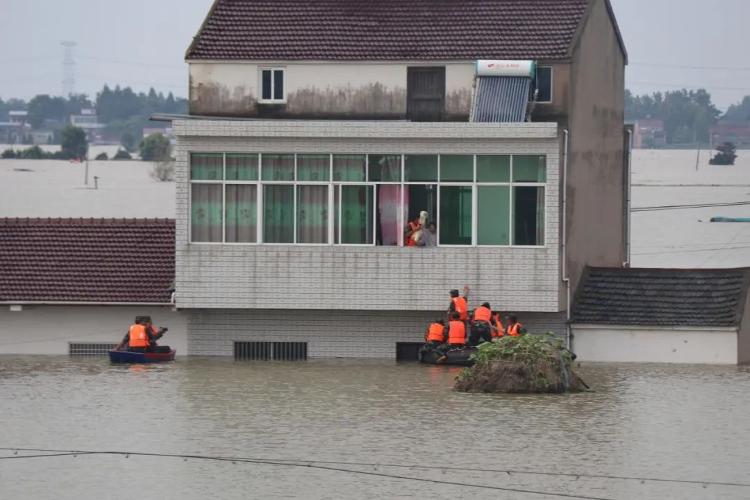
455,215
510,199
368,199
353,214
544,84
425,94
272,85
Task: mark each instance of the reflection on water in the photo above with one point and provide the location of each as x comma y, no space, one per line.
656,421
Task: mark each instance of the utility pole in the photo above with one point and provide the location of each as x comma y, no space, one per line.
69,64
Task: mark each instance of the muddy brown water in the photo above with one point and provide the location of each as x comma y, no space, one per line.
654,421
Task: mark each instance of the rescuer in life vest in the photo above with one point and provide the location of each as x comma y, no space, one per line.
481,327
456,336
142,336
498,330
514,328
436,333
459,304
456,331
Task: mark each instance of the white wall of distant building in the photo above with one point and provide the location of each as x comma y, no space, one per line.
48,329
623,344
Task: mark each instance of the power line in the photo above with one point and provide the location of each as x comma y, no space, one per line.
697,250
134,63
687,66
304,462
685,86
688,207
688,185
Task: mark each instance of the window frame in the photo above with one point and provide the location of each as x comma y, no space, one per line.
333,229
551,82
273,99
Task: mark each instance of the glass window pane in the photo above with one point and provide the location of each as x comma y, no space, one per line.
278,214
278,84
266,84
455,215
544,84
384,168
420,203
356,205
241,213
314,168
349,168
493,207
389,218
205,212
242,167
312,214
493,168
206,166
277,167
528,215
456,168
419,168
529,168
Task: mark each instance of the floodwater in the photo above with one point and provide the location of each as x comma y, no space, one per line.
362,429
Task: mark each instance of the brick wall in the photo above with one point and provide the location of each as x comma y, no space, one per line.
348,334
365,278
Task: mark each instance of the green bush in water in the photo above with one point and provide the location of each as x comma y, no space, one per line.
525,364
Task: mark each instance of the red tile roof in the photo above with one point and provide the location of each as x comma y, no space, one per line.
86,260
388,30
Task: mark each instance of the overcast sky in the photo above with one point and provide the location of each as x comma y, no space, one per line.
141,43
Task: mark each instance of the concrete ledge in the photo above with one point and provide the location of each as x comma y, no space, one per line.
362,129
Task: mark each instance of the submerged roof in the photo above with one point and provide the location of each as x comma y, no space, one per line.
391,30
87,260
661,297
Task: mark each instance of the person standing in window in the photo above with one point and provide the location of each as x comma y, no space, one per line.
415,230
429,237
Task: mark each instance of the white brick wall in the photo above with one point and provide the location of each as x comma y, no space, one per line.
348,334
365,278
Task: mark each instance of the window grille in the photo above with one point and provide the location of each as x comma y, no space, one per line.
268,351
89,348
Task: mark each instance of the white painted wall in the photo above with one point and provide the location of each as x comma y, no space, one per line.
234,85
655,345
48,329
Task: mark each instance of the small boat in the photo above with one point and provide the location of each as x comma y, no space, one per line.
141,357
460,356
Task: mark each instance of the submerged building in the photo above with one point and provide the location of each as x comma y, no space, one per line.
317,130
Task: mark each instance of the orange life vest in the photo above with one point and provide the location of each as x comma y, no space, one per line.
461,307
435,333
457,333
514,330
499,331
482,314
138,336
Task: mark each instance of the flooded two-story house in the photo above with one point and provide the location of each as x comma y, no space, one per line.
318,130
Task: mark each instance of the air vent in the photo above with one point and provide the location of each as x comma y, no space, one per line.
89,348
266,351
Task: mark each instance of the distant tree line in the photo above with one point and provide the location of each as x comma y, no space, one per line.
123,111
739,112
687,114
74,146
